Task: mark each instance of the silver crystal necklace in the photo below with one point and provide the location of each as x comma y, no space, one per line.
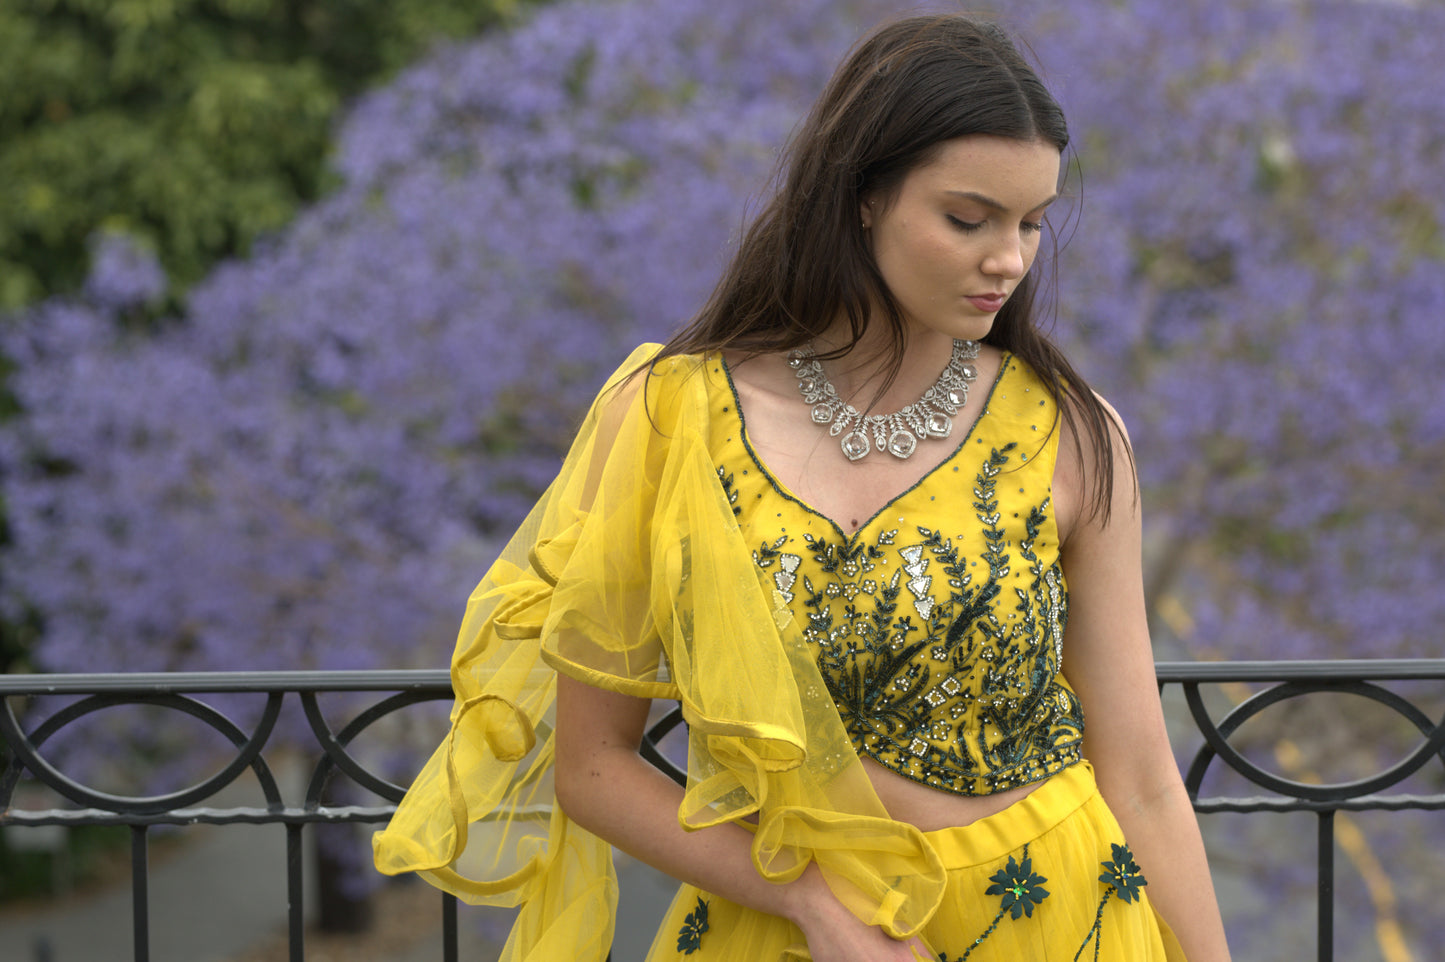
931,416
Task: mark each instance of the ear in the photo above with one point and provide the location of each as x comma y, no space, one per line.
865,213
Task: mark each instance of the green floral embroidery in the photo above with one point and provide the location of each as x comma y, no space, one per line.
1123,873
726,480
1095,934
1021,890
944,665
689,940
1020,887
1123,878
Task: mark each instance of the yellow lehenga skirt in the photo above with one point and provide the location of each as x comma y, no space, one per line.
1049,878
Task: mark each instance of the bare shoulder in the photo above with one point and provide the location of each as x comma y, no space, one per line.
1080,463
1116,419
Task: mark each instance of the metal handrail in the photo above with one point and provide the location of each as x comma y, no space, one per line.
25,753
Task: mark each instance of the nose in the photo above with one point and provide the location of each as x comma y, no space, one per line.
1006,258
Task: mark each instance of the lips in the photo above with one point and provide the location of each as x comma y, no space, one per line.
988,303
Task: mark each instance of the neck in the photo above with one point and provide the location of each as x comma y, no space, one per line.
860,374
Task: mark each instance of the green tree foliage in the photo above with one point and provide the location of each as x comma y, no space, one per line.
193,125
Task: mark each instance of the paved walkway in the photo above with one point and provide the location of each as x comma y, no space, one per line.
220,896
209,897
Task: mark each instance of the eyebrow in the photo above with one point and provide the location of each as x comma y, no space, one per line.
992,204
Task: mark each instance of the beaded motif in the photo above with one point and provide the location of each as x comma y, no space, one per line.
1022,890
942,644
933,677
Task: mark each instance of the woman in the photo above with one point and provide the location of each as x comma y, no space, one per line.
910,647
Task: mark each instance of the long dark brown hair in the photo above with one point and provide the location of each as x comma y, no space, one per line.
805,261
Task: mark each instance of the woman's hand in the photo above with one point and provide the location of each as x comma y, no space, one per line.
835,934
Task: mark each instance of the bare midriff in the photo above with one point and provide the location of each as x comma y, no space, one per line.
931,809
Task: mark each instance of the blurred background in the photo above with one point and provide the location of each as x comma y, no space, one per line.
301,300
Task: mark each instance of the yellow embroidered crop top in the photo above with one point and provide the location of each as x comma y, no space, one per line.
938,625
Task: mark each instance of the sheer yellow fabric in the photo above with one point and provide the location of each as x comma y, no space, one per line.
631,574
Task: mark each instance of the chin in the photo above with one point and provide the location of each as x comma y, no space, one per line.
976,330
973,328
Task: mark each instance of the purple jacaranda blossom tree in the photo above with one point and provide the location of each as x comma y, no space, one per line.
308,469
1257,281
311,466
301,466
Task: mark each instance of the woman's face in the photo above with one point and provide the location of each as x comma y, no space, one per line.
962,231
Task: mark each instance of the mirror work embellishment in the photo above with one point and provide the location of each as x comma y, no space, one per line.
943,661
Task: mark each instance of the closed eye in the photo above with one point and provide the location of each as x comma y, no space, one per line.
964,225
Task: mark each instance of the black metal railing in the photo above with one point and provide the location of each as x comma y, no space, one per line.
1270,684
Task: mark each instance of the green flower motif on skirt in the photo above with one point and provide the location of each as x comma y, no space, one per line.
1123,873
1021,890
1020,887
1122,878
689,940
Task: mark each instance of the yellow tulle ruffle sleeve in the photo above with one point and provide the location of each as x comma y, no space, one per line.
632,574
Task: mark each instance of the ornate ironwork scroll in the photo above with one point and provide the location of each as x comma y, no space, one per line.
332,756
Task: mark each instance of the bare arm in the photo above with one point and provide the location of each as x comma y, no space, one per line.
605,786
1110,663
